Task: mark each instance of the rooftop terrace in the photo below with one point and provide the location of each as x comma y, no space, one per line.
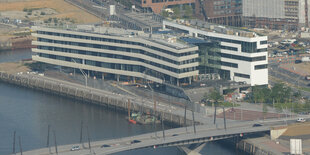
210,27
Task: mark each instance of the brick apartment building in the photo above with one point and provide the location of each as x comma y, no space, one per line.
157,5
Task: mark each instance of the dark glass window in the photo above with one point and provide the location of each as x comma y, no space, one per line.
242,75
263,42
257,67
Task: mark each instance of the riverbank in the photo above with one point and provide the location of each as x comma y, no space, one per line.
89,95
279,142
15,42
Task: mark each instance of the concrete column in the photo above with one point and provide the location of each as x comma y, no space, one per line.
221,89
189,80
133,79
102,76
117,77
178,82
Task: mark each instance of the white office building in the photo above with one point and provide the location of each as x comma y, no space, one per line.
117,53
242,55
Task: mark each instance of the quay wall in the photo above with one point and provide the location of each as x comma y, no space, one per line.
88,95
250,148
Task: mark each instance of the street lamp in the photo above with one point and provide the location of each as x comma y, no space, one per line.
153,101
83,73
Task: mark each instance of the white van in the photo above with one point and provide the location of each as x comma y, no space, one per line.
301,120
75,148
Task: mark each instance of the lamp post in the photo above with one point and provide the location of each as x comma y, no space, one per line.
83,73
152,101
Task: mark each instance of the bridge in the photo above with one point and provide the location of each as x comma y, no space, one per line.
172,137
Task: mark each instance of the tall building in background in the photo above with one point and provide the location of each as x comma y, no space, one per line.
157,5
225,12
274,14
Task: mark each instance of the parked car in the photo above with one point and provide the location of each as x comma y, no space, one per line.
298,61
257,125
281,47
135,141
75,148
105,145
301,120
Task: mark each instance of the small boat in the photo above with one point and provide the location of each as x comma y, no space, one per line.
132,121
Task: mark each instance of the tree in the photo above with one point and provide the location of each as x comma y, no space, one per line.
297,95
176,12
276,92
307,106
286,94
256,94
188,11
165,13
265,110
215,96
260,94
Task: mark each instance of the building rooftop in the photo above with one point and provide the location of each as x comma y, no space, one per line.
144,19
160,38
211,27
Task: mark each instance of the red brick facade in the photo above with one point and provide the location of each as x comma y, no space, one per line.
158,5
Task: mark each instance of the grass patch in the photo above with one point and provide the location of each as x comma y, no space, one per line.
30,9
223,104
304,89
291,85
295,107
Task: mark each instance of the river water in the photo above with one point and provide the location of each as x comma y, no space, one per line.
29,112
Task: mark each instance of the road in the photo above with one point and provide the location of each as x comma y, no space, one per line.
172,137
288,77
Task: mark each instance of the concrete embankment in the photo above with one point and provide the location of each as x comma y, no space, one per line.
13,43
88,95
248,146
254,145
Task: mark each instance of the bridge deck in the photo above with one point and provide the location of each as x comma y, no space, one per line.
174,137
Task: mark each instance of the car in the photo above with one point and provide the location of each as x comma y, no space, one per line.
301,120
298,61
175,135
304,113
105,145
257,125
282,47
75,148
135,141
